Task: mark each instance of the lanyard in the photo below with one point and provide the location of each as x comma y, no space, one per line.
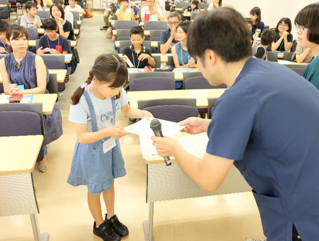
134,61
16,71
55,40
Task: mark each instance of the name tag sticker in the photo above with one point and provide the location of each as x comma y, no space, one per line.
20,87
109,144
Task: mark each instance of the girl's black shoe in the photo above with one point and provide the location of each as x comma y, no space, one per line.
106,232
117,226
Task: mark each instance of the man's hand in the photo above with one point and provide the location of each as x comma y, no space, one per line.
165,146
194,125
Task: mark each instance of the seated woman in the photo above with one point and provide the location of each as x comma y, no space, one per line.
283,40
307,24
24,72
255,16
181,57
65,27
41,6
215,4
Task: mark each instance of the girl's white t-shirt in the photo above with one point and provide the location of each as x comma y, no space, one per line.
80,113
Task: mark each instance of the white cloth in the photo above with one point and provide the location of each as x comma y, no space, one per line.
153,17
69,17
27,22
77,8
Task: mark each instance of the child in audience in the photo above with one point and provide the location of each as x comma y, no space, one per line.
137,53
40,5
260,50
97,158
24,72
255,15
52,42
30,19
181,57
124,13
215,4
307,25
193,8
73,6
65,27
303,54
4,26
153,10
283,40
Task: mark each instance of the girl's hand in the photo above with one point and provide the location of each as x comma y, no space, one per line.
146,114
117,131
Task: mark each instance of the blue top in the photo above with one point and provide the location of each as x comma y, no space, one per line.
261,27
165,35
183,56
5,46
45,42
268,123
312,72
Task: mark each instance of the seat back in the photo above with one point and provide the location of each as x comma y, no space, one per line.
123,24
211,104
76,15
155,25
288,55
194,15
174,113
272,56
123,32
52,85
22,119
182,4
155,35
32,33
150,75
43,14
203,5
4,12
53,61
299,71
170,60
154,83
195,80
157,59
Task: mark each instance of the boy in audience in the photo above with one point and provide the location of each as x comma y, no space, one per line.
137,54
52,42
266,39
193,8
153,11
73,6
250,27
30,19
3,36
167,36
124,13
67,14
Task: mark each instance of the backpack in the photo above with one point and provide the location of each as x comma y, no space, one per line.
294,46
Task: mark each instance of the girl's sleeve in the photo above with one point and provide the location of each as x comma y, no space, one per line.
124,98
78,114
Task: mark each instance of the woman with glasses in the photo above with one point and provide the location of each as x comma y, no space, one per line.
181,57
307,24
283,40
24,72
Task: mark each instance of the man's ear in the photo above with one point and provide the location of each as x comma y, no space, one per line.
210,57
143,38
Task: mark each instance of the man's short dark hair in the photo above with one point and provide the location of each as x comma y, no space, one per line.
286,21
58,1
137,30
3,26
267,37
59,7
248,20
195,2
173,15
122,1
29,5
49,24
223,30
184,25
308,18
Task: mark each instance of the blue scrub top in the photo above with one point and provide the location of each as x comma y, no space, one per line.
268,122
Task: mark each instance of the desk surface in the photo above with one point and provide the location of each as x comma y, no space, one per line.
201,95
22,159
48,101
286,62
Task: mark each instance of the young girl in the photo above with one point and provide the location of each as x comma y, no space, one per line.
97,158
283,40
255,15
24,72
65,27
40,5
307,23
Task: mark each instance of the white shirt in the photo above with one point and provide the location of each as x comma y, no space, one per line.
77,8
68,16
153,17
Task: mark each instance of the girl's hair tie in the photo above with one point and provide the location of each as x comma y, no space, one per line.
85,86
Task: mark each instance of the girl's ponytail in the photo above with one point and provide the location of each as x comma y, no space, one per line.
75,98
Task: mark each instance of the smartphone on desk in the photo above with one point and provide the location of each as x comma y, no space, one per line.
15,98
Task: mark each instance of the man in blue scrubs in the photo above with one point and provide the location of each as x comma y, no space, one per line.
266,124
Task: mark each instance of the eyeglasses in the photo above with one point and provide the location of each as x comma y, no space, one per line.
173,23
300,28
284,25
179,32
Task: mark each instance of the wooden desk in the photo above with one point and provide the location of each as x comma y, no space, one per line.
76,31
286,62
201,95
154,44
47,100
17,194
163,57
176,185
61,73
188,14
146,32
79,22
32,43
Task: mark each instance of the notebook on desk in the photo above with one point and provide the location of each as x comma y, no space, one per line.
24,99
180,72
